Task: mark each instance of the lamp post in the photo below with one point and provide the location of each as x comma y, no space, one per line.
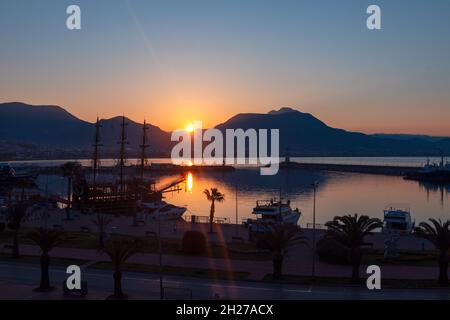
237,224
313,266
161,289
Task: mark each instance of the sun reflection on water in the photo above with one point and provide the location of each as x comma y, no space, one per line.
190,182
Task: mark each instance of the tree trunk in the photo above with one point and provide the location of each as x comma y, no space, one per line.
135,224
101,239
118,293
443,268
211,217
45,278
15,248
278,266
69,197
355,261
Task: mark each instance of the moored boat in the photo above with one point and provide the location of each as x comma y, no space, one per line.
162,209
272,212
397,220
432,172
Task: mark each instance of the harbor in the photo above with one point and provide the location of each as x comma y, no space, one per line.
231,212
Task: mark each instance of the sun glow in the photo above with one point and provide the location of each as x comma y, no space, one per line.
190,127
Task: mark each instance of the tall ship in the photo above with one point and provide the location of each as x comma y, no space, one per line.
272,212
128,193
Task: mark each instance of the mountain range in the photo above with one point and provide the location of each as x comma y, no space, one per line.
38,128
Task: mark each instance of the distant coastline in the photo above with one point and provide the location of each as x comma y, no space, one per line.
29,132
416,161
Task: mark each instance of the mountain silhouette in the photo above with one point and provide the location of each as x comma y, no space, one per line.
304,135
52,127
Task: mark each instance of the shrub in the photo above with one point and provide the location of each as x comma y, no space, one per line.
193,243
12,226
331,251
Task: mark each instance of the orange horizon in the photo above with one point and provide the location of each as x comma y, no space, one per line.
176,118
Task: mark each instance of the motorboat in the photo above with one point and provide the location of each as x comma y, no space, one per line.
397,220
272,212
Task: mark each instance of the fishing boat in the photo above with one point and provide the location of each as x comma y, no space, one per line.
397,220
9,176
6,172
272,212
432,172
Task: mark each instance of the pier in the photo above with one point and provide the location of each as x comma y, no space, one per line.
370,169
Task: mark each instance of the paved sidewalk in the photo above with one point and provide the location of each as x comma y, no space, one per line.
298,262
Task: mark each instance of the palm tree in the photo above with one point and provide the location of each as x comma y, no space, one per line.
18,214
119,250
69,169
213,195
101,221
279,240
46,239
350,231
438,234
25,183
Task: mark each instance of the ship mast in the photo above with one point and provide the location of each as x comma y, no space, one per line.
143,146
122,143
95,156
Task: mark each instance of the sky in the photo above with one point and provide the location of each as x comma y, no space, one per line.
176,61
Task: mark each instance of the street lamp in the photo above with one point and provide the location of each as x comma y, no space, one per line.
237,224
313,267
161,289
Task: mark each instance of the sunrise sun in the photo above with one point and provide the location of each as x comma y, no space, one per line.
190,127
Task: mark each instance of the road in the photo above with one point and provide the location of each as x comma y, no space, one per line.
146,286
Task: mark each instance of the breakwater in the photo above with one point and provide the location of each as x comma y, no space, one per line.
370,169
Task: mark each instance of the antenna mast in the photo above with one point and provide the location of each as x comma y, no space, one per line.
123,142
143,146
95,156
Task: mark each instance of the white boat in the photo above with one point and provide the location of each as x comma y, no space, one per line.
397,220
162,209
270,212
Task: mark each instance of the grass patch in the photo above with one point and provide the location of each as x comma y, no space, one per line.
82,240
36,260
182,271
406,258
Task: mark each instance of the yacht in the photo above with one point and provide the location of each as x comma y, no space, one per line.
162,209
270,212
397,220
